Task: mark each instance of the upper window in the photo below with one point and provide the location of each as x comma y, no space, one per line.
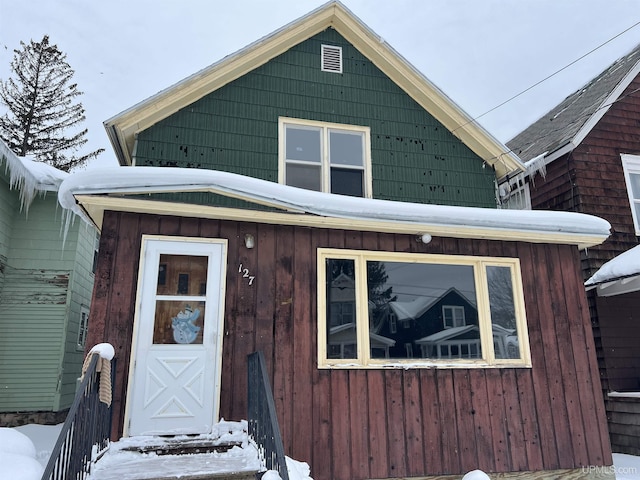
454,311
325,157
631,167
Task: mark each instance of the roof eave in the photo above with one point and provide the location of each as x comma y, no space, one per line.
123,127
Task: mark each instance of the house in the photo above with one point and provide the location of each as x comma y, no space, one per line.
290,194
45,292
589,148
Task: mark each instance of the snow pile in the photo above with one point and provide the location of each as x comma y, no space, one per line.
18,456
105,350
138,180
624,265
476,475
29,176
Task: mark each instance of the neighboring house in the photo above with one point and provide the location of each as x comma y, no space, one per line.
589,149
45,291
214,244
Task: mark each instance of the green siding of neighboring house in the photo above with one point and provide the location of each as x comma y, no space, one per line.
44,285
235,128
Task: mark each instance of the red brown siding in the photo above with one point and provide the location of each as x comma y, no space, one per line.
357,424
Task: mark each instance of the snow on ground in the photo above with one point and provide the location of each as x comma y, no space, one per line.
18,456
20,446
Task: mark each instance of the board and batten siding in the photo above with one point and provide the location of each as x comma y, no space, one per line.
395,423
235,128
38,372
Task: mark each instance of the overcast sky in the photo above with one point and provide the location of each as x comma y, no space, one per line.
479,52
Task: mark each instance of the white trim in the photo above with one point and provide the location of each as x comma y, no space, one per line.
606,104
176,242
631,166
325,128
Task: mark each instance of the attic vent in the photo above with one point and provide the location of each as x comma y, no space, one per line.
331,59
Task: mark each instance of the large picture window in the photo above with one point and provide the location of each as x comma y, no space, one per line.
631,167
325,157
380,309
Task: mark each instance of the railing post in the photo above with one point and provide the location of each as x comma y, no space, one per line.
264,429
88,424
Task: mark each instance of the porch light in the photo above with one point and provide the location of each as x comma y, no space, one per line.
249,240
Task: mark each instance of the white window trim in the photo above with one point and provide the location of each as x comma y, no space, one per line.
326,171
84,318
453,308
480,265
631,165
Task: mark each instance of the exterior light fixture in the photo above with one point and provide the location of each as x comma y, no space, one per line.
249,241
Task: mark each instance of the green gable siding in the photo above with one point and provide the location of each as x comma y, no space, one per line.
235,129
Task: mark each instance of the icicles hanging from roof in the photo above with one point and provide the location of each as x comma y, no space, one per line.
30,177
536,165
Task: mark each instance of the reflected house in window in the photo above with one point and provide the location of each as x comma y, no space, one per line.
341,328
426,316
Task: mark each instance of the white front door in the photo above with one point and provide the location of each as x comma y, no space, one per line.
174,379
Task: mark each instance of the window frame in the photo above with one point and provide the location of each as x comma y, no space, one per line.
631,166
325,161
363,357
83,328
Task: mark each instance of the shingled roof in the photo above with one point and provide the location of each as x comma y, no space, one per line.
565,126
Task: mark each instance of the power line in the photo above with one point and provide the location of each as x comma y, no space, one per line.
547,77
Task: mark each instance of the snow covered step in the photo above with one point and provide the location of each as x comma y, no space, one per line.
239,463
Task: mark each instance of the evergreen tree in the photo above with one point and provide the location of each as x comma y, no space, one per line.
43,107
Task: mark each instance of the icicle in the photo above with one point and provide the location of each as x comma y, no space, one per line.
537,165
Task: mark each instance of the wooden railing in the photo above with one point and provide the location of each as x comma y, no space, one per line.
264,429
85,433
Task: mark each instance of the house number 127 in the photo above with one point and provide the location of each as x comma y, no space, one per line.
245,274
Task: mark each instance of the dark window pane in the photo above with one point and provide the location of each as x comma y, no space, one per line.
347,182
182,275
406,318
503,312
304,176
346,148
303,144
341,307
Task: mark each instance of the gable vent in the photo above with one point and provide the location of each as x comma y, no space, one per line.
331,59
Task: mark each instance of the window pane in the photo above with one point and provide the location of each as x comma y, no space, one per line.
406,314
346,148
304,176
303,144
635,185
503,312
178,322
347,182
341,307
182,275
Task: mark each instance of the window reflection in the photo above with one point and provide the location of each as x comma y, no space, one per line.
503,312
180,299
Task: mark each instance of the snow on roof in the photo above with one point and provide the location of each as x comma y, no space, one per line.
422,217
625,265
29,176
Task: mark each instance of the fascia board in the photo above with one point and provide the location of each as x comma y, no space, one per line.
606,104
141,116
96,205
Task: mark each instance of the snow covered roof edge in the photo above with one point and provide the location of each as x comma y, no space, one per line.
29,176
141,180
625,265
